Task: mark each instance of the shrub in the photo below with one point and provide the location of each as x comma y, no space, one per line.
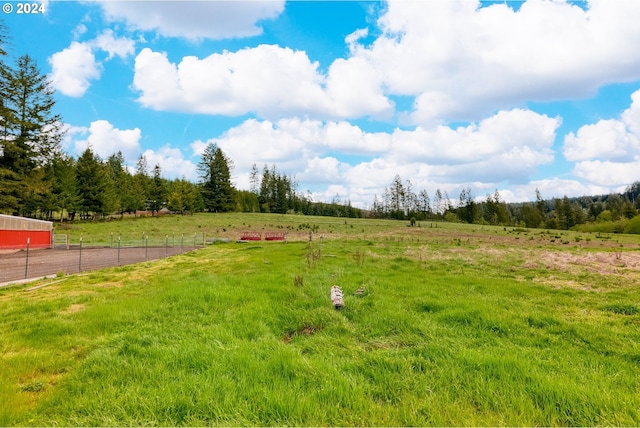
633,226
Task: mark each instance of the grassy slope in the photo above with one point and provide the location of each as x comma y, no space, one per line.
455,327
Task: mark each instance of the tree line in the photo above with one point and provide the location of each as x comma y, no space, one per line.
37,179
401,201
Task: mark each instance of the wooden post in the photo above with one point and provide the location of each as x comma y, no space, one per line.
26,266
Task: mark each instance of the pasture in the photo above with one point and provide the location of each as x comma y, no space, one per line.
443,324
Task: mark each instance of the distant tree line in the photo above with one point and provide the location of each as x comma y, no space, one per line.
401,201
275,192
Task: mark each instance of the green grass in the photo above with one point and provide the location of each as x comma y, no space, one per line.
457,325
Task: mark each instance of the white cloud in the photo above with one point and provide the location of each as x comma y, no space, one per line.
612,175
461,60
607,152
458,60
172,163
79,30
607,139
121,47
350,139
508,145
71,135
268,80
333,192
286,143
354,89
321,170
104,140
195,20
73,68
551,188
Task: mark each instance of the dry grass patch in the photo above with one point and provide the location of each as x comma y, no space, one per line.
73,309
605,263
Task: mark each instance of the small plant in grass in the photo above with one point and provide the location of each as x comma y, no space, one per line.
358,257
36,386
623,309
313,257
298,281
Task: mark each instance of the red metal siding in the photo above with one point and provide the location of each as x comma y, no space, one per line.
17,239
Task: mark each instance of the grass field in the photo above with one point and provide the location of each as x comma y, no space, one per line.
455,325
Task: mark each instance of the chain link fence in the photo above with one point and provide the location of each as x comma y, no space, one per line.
72,257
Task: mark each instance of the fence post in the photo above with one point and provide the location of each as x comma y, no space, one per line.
182,243
26,266
80,257
166,245
203,241
111,245
146,247
118,250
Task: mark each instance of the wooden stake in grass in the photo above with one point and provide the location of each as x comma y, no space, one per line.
336,297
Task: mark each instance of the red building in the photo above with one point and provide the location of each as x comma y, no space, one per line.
18,232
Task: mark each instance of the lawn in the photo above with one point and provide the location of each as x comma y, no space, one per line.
451,325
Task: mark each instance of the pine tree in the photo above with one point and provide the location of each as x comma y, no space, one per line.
12,185
141,184
424,202
91,183
31,136
254,179
33,131
5,77
215,172
65,189
157,194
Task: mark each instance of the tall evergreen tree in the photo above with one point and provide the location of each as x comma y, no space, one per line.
141,184
91,183
65,189
158,193
11,183
424,202
5,77
215,172
467,208
31,136
33,131
254,179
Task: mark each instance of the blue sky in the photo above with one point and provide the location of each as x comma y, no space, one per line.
513,96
